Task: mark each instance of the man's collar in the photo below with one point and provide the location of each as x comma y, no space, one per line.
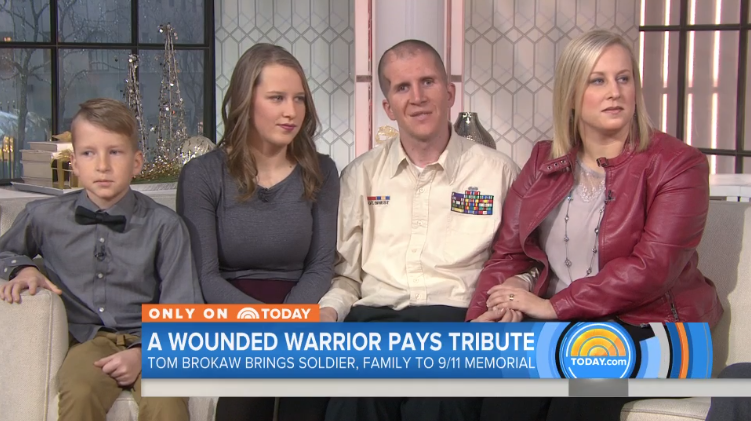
448,160
125,206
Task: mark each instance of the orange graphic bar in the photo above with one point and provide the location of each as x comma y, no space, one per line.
684,350
223,313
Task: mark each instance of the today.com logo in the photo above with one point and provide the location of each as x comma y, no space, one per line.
597,350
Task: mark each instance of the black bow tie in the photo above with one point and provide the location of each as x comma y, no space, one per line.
87,217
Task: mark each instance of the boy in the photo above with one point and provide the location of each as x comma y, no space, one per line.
107,249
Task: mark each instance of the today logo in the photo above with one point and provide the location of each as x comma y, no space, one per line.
597,350
251,314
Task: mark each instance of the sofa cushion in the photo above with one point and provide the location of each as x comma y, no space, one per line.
725,258
124,408
666,410
202,409
9,210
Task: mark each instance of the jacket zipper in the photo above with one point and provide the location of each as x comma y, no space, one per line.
672,306
672,310
631,324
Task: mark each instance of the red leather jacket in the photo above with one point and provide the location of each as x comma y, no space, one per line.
653,221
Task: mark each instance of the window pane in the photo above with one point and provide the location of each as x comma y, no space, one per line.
721,164
654,12
90,73
746,165
702,12
186,16
190,80
25,21
660,78
25,102
94,21
712,89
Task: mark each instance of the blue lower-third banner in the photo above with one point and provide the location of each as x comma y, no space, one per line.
425,350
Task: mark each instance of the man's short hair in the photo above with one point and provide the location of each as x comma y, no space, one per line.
408,48
111,115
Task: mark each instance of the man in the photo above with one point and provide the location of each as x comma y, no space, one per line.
416,219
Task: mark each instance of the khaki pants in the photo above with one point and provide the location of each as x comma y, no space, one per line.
87,393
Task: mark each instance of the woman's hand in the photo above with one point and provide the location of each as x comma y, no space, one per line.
512,282
506,296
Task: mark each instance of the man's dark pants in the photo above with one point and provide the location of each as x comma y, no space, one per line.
404,409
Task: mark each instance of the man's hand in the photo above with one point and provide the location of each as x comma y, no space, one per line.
328,314
490,316
27,278
124,367
502,315
512,316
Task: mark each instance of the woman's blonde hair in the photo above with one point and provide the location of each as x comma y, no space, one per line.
237,115
571,75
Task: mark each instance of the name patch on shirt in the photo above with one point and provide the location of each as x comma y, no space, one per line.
472,202
378,200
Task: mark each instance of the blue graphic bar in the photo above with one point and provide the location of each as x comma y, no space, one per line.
416,350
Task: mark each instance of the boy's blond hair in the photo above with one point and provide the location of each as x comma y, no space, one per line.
110,115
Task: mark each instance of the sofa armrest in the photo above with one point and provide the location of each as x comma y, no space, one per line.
34,343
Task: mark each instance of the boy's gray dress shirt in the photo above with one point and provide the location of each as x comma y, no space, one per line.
105,275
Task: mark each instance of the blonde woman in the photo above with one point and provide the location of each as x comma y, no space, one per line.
607,215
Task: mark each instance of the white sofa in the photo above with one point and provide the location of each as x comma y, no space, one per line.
34,344
724,257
